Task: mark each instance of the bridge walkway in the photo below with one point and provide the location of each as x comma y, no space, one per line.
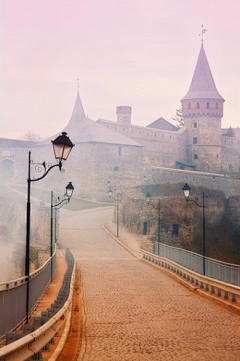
134,311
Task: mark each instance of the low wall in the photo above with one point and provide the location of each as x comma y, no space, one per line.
230,186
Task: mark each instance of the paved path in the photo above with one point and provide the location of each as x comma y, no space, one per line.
133,311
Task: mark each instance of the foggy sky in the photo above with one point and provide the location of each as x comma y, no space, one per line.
140,53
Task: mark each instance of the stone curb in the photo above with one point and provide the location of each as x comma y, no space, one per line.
118,240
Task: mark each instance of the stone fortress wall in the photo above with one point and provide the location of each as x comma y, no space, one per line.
161,147
231,152
214,181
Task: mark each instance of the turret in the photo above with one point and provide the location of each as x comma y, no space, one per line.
202,112
124,115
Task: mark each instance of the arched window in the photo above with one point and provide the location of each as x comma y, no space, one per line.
189,106
198,105
208,105
216,106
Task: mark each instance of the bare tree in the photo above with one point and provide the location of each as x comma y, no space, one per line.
178,118
31,136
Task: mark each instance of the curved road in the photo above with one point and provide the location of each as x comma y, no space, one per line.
134,311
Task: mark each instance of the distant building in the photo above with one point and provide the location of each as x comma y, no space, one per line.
123,153
201,144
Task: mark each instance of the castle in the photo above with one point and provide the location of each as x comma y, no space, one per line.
201,144
126,154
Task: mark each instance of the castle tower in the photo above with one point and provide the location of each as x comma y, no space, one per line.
124,115
202,112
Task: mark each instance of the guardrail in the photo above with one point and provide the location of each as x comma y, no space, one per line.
13,296
222,271
216,289
31,345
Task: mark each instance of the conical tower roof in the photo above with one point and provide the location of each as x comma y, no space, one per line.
78,113
202,85
81,129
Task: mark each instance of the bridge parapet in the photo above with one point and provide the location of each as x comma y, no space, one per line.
225,293
39,335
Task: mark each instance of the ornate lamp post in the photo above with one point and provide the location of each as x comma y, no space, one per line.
62,147
148,196
117,199
186,191
69,192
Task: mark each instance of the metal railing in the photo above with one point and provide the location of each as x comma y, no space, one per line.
221,271
32,344
13,296
224,293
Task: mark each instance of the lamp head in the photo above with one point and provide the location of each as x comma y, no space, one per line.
186,191
62,147
148,196
69,190
110,192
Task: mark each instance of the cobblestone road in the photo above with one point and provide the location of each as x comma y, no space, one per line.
133,311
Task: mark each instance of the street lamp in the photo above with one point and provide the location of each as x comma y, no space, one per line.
186,191
69,192
117,200
148,196
62,147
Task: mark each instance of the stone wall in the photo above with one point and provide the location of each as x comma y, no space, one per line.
204,142
229,186
176,220
161,147
231,154
181,222
91,165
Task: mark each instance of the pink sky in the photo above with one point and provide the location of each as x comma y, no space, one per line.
140,53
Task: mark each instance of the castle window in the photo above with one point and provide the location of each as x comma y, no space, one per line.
189,106
175,229
208,105
198,106
119,151
116,169
216,155
194,140
195,125
216,106
195,156
155,134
